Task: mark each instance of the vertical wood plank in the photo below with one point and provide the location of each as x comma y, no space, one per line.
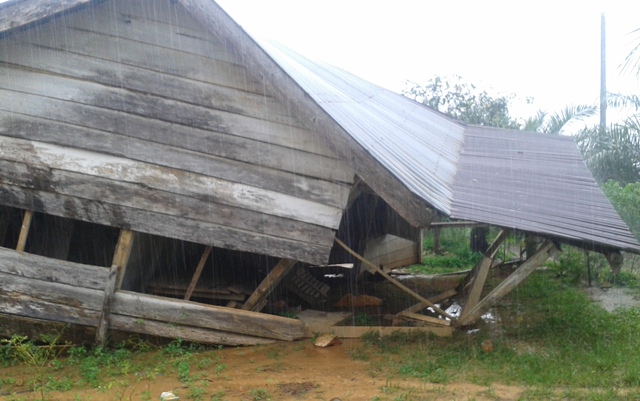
483,272
268,284
436,240
543,253
103,322
420,246
24,230
121,254
196,275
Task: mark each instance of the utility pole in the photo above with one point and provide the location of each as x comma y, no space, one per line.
603,76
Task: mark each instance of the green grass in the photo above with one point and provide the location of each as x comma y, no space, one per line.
552,335
454,255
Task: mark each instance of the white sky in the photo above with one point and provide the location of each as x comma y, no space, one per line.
546,49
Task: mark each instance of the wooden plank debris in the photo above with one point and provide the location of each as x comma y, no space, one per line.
196,275
307,287
394,281
188,313
190,333
267,285
326,340
426,319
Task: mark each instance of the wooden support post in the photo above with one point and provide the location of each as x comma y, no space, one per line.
394,281
543,253
24,231
196,275
103,322
114,282
268,284
436,240
420,246
121,255
482,272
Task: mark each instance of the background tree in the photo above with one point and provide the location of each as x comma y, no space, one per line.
464,102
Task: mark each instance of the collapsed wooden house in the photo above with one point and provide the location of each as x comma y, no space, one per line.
152,154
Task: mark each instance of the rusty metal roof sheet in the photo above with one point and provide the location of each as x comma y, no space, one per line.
525,181
537,183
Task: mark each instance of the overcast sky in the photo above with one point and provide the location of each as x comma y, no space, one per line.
546,49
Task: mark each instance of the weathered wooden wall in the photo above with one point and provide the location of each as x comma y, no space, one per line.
129,114
43,288
390,252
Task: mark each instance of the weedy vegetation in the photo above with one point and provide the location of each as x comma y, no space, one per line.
548,338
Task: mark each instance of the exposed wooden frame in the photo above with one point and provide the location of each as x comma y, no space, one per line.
122,252
24,230
267,285
198,272
545,251
482,271
394,281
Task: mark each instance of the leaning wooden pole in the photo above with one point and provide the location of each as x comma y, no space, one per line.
545,251
24,230
394,281
268,284
198,272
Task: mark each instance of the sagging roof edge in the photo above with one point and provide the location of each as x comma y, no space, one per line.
411,207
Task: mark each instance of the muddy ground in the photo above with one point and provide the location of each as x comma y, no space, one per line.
282,371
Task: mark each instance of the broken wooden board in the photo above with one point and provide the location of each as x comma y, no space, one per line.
326,340
427,319
76,294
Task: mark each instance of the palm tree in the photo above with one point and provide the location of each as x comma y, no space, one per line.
614,153
558,122
632,61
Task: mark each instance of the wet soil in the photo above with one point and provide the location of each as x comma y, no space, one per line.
281,371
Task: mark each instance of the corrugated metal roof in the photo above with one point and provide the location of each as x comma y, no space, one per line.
534,182
389,126
526,181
